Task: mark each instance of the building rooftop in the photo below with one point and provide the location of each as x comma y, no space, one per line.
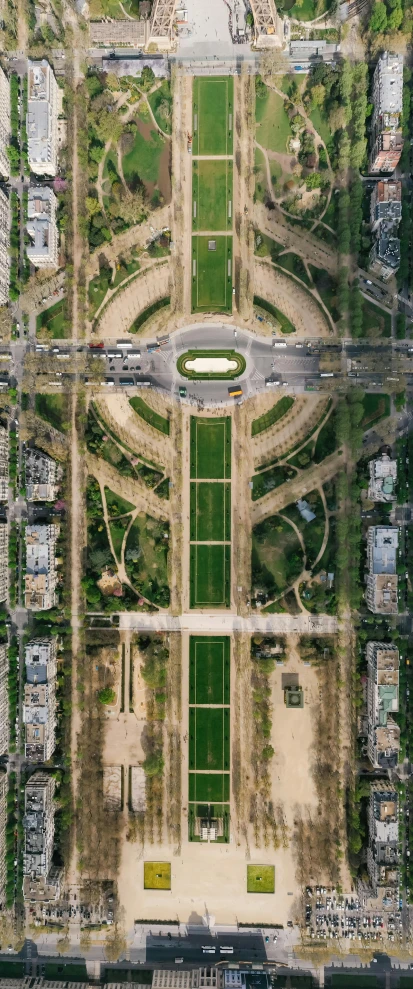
390,82
383,476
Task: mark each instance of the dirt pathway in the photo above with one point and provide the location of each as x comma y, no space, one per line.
289,295
182,185
130,488
243,248
77,542
22,27
275,225
327,526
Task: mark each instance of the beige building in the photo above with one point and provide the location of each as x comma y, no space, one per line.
39,707
4,248
386,131
4,700
41,573
382,579
43,250
41,882
128,34
43,108
4,561
208,977
383,743
4,124
383,851
4,464
383,477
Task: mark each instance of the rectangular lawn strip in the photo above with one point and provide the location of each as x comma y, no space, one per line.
210,511
273,125
212,195
376,321
149,415
209,741
213,115
53,321
157,875
211,274
376,407
54,409
210,575
209,669
272,416
208,787
260,879
210,448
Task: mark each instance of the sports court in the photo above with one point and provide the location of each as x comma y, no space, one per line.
209,738
209,788
212,273
210,448
212,115
212,195
209,669
210,511
210,575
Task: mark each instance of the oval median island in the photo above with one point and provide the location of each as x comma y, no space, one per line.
211,364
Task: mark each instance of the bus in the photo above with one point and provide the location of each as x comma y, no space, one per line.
143,384
235,391
226,948
279,343
124,344
326,374
269,382
126,381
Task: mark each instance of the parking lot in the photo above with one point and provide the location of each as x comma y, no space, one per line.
331,915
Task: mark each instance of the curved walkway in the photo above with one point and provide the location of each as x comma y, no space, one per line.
296,302
149,285
130,488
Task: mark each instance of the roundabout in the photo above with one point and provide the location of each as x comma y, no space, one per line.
211,364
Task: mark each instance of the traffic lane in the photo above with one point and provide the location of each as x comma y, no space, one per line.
246,947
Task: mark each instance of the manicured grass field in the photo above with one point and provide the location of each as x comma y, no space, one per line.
212,195
143,158
272,416
260,879
209,670
54,409
213,112
210,575
273,126
212,274
210,511
208,787
209,741
210,448
157,875
376,407
149,415
53,321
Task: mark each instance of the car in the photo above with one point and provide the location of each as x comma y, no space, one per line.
267,939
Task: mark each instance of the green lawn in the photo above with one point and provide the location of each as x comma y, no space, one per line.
376,322
209,738
54,409
209,670
261,192
326,442
210,511
210,575
312,532
273,125
376,407
277,558
149,415
260,879
326,286
160,101
295,265
117,505
210,448
267,480
157,875
306,12
208,787
269,418
212,203
51,322
213,111
148,312
117,531
320,122
279,318
147,558
143,158
211,274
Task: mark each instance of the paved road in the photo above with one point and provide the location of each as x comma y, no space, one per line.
226,623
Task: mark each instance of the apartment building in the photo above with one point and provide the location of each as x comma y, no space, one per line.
383,743
382,852
42,476
43,251
4,700
4,562
3,822
387,97
4,124
41,573
4,248
40,879
382,579
383,477
4,464
386,203
39,705
43,108
208,977
384,259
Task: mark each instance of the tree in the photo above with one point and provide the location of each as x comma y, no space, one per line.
337,118
378,19
128,206
273,63
165,108
92,205
318,94
153,765
147,78
107,695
